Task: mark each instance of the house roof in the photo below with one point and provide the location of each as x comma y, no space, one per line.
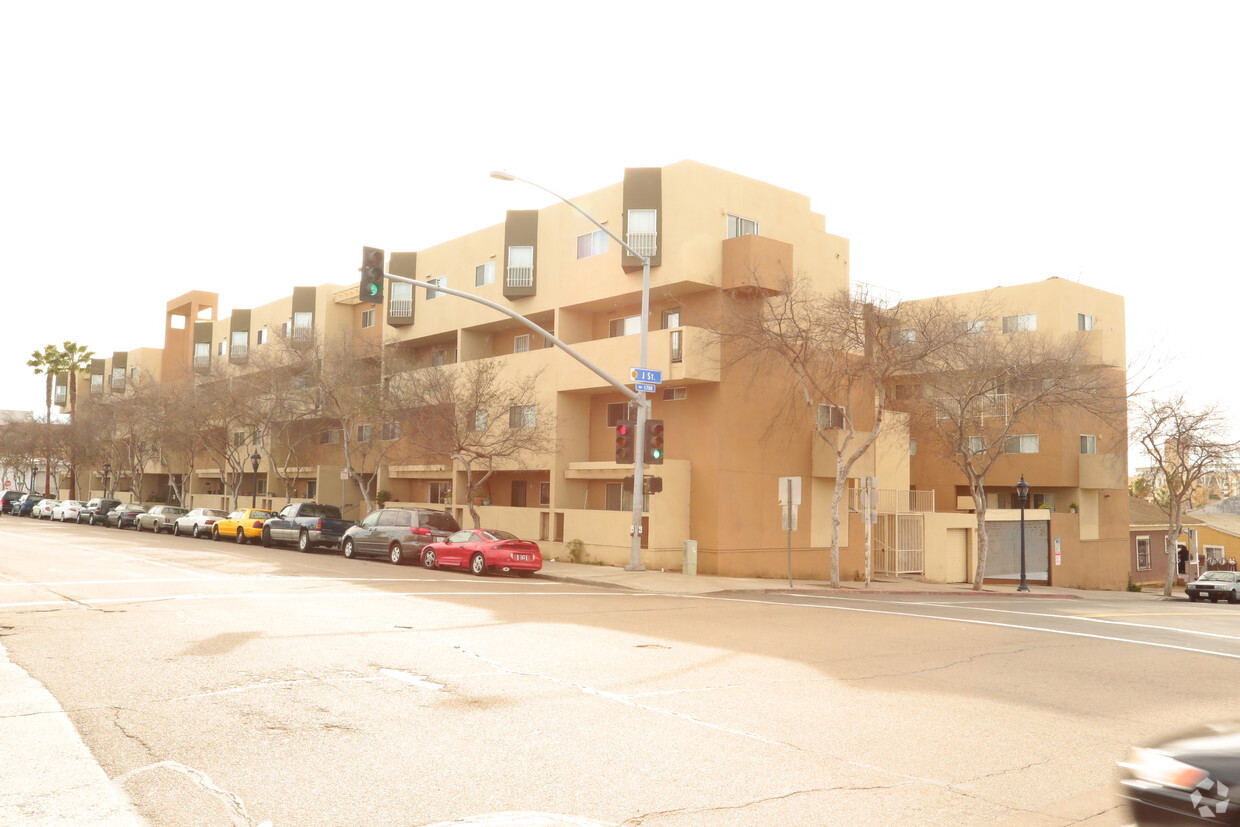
1226,523
1143,513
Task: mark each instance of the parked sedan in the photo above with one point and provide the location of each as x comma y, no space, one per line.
43,509
1214,586
124,515
197,523
67,510
159,518
483,549
1191,778
241,525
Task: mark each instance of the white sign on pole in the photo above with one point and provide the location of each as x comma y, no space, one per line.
789,518
344,473
789,491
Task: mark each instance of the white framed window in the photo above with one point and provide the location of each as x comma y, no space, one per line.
240,345
1020,323
676,339
591,244
912,447
438,281
219,347
903,337
330,437
973,327
738,226
522,416
544,493
390,431
520,267
625,327
521,343
479,422
830,417
118,379
133,373
671,318
96,380
363,433
1089,444
368,318
439,358
1144,561
1214,552
286,329
1046,501
400,305
484,274
1084,321
261,336
616,411
974,444
238,438
675,394
1021,444
643,231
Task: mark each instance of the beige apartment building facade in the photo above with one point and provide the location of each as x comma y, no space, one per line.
709,232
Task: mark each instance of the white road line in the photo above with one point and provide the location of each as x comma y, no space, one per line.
92,601
269,578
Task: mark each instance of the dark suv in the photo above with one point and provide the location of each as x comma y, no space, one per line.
96,511
8,498
399,534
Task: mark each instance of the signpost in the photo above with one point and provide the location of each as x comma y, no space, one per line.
789,493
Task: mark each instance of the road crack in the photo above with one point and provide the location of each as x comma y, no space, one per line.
637,821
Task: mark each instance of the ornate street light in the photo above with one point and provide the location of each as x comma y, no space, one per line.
34,476
107,469
254,460
1022,495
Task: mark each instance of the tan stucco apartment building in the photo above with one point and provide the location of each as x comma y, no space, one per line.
710,232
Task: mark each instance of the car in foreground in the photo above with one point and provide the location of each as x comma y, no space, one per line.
197,522
8,498
95,511
1190,778
43,509
124,515
241,525
159,518
1215,586
67,510
484,549
399,534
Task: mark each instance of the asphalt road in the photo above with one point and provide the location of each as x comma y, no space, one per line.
225,684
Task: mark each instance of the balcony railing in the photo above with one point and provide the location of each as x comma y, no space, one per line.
239,353
400,307
645,244
304,332
520,276
894,501
201,361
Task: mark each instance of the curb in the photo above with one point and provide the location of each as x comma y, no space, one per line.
1021,595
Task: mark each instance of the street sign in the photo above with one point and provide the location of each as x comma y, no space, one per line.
642,387
789,491
640,375
344,473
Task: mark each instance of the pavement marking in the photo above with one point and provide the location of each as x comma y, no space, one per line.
410,678
269,578
304,596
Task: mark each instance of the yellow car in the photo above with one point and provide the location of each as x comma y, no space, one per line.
243,524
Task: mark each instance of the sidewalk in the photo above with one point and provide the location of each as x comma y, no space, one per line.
669,582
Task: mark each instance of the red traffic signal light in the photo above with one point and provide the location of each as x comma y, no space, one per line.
653,453
371,287
625,434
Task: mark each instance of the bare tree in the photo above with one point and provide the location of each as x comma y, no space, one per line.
977,392
137,424
286,409
1185,444
842,351
474,415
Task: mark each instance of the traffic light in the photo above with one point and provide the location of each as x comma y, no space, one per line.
654,485
627,484
371,288
653,452
624,441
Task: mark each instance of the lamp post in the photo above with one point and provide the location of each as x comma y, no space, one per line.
254,460
107,469
1022,495
643,404
34,477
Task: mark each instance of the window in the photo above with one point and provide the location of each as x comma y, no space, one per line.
975,444
286,329
439,491
1089,444
518,493
480,420
643,231
484,274
438,357
390,431
521,343
676,341
238,438
118,379
520,267
1021,444
312,489
626,326
302,324
1046,501
830,417
401,303
438,281
368,318
738,226
974,327
617,499
903,337
363,433
912,447
262,336
544,493
591,244
219,348
1216,553
616,411
261,487
671,318
1021,323
1084,322
202,354
96,383
330,437
521,416
1144,563
675,394
240,345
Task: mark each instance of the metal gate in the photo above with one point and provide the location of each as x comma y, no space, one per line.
1003,558
900,544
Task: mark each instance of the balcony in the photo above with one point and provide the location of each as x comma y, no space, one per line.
645,244
239,353
894,501
400,308
202,362
698,354
519,276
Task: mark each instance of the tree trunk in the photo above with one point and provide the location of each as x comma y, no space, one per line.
978,490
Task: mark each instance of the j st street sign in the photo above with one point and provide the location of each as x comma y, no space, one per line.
648,376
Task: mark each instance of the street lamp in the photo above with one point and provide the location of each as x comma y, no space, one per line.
1022,495
107,469
34,477
254,460
643,405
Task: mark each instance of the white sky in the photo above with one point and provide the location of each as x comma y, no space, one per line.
247,147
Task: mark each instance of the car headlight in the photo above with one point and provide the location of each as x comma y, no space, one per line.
1158,767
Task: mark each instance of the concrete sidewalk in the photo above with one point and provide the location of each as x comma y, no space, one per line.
668,582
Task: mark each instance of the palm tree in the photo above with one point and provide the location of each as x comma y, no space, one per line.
49,361
74,359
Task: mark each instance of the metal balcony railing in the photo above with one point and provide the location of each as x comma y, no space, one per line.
645,244
894,501
239,352
520,276
400,308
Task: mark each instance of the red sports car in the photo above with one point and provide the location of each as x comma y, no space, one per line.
480,549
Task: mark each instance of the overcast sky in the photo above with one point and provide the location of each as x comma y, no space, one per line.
244,148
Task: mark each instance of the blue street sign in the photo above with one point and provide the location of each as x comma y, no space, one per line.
642,387
640,375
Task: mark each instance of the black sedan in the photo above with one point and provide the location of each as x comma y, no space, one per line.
1190,778
124,515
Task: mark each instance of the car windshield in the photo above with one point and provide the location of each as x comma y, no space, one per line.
498,535
256,514
441,522
214,512
1226,576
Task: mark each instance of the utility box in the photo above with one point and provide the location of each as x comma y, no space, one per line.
689,563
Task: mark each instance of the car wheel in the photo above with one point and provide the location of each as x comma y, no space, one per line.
396,554
196,533
241,536
303,541
1234,597
137,525
478,565
266,538
428,558
215,533
176,529
155,528
348,549
90,520
1214,598
1192,598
